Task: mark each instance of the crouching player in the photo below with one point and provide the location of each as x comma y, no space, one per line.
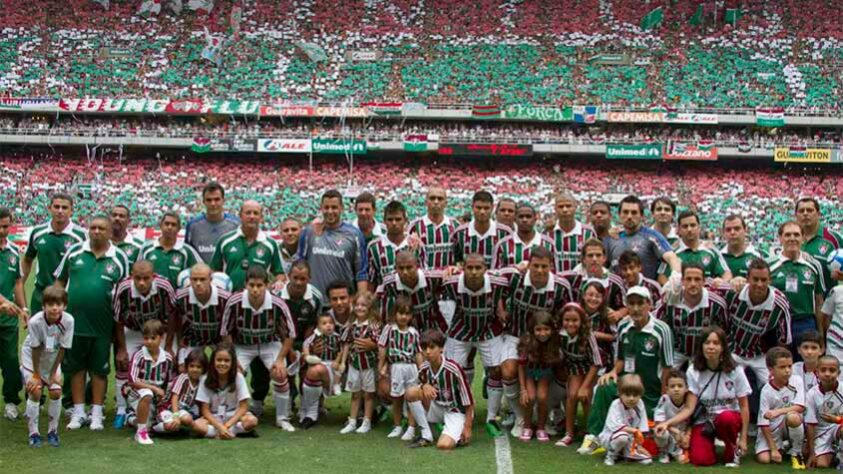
445,391
50,333
824,413
323,368
780,411
180,407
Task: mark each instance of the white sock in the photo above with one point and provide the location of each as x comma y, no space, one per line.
96,411
417,409
79,409
511,392
54,412
310,394
237,429
618,445
32,411
797,435
493,405
282,404
141,426
119,382
212,432
159,428
353,422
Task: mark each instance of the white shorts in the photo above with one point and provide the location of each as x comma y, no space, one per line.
491,351
267,353
402,377
825,441
133,398
46,364
360,380
447,309
757,364
454,420
134,341
679,360
27,374
328,390
510,348
294,367
183,352
779,434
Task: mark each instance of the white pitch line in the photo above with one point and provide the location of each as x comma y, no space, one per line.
503,456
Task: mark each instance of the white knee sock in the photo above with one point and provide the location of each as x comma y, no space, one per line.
494,387
281,395
212,432
238,429
311,391
797,435
32,411
54,412
510,391
417,409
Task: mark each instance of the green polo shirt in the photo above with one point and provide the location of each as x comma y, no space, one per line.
234,255
710,259
49,248
646,352
169,263
800,280
820,246
10,273
90,283
739,264
132,247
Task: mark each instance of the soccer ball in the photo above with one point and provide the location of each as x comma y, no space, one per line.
183,280
219,279
835,260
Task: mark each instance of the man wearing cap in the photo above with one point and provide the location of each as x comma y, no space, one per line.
644,346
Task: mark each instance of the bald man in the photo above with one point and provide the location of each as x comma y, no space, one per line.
141,297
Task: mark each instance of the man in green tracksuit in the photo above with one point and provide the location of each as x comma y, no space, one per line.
11,289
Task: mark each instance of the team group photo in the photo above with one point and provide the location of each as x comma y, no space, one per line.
426,235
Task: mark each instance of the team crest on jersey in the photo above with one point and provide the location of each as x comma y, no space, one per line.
807,275
13,260
446,394
824,248
260,252
67,244
176,259
109,268
153,258
786,399
829,404
729,384
706,260
649,344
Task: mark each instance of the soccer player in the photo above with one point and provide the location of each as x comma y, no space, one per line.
142,297
11,288
49,242
290,231
121,220
780,412
800,277
823,413
339,303
169,255
505,212
593,257
476,323
49,335
600,219
664,210
696,309
818,241
421,286
382,250
738,252
538,289
364,208
203,231
482,234
338,252
198,313
516,248
260,326
90,271
629,269
248,246
150,372
303,300
568,234
650,246
691,249
434,230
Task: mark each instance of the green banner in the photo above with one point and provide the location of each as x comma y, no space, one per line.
646,151
542,114
696,18
339,146
652,19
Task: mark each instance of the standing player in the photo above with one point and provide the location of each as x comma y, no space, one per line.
338,252
91,271
664,210
516,248
290,231
420,286
142,297
168,255
600,219
434,230
121,221
49,242
198,313
382,250
818,241
11,288
652,248
364,208
738,252
203,231
477,323
482,234
505,212
568,234
691,249
260,327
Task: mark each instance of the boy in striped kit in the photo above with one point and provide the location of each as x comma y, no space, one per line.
382,250
516,248
477,323
434,231
323,369
481,235
568,234
697,309
421,286
260,326
142,297
592,267
151,370
445,391
198,313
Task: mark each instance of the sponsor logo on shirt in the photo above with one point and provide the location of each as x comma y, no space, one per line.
328,252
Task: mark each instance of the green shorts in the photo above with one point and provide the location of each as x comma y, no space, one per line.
35,300
90,354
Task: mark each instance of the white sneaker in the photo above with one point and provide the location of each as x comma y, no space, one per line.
96,423
337,390
664,458
508,420
11,412
610,459
285,425
515,432
350,426
396,432
142,437
257,408
410,434
76,422
364,428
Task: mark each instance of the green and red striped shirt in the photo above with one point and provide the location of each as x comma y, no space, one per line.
512,250
201,324
381,254
525,298
466,240
688,324
361,360
435,240
401,346
132,309
569,244
247,325
426,314
475,317
452,389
